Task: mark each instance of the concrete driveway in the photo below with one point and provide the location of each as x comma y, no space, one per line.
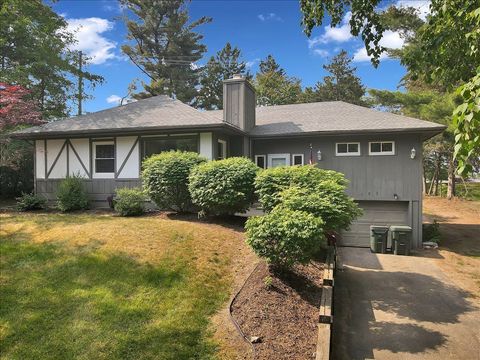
399,307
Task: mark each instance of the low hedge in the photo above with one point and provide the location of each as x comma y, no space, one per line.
285,237
165,179
31,201
130,201
223,187
271,182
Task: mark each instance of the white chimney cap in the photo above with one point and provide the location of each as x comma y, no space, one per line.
237,76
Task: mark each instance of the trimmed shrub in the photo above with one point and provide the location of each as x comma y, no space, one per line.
431,232
31,201
130,202
223,187
71,194
271,182
327,201
285,237
165,179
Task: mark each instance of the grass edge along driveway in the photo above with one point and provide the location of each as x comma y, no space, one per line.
97,286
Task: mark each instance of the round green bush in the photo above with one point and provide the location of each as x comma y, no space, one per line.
31,201
71,194
223,187
130,202
271,182
165,179
285,237
328,201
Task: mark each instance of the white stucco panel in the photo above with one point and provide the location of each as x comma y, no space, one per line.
80,147
59,170
40,159
131,165
206,145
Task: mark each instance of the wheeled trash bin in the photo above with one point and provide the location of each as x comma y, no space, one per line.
401,239
378,238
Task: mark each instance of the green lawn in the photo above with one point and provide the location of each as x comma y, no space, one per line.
103,287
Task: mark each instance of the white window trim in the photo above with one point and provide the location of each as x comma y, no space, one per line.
293,159
381,153
96,175
285,156
224,149
264,160
358,153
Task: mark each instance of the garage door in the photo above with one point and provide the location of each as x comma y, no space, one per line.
374,213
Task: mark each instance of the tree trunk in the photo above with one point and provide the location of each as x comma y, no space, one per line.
424,184
451,179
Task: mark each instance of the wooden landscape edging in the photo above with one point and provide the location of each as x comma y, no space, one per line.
325,318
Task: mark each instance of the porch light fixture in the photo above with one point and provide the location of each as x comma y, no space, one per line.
413,153
319,155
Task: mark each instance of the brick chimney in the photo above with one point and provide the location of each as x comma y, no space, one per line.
239,101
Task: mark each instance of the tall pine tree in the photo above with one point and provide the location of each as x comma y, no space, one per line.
274,86
226,63
341,85
164,46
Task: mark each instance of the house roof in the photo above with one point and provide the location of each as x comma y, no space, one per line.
332,117
162,112
153,113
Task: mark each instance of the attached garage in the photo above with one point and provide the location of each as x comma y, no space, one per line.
374,213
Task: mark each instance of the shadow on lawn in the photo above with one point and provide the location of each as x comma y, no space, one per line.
87,303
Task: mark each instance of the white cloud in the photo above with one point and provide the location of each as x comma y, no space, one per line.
321,52
114,99
423,6
252,63
333,34
269,17
390,39
87,32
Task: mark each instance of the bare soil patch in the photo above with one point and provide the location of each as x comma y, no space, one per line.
284,314
459,251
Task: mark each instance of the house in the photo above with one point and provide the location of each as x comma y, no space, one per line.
380,153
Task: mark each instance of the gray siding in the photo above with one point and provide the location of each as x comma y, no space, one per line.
371,177
239,102
97,189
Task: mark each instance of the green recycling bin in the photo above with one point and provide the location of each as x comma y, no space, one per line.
401,239
378,238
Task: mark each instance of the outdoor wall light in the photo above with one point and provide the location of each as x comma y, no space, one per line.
395,196
413,153
319,155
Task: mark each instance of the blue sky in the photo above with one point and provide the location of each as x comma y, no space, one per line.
258,28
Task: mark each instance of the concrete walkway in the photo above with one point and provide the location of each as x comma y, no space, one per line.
399,307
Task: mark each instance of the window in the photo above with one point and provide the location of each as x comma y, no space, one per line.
275,160
297,159
382,148
348,149
260,161
222,149
152,146
104,158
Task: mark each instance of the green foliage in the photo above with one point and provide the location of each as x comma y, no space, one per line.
130,201
72,195
223,187
16,168
466,119
364,20
431,232
165,179
45,67
285,237
164,46
268,281
31,201
274,87
327,201
341,85
222,66
271,182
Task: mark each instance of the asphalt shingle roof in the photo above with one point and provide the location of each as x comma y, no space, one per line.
331,116
163,112
155,112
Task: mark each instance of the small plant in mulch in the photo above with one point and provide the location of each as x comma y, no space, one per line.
268,282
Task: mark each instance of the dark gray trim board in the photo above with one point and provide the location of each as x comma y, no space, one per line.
126,158
78,158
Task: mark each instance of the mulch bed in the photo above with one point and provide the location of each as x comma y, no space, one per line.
285,314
